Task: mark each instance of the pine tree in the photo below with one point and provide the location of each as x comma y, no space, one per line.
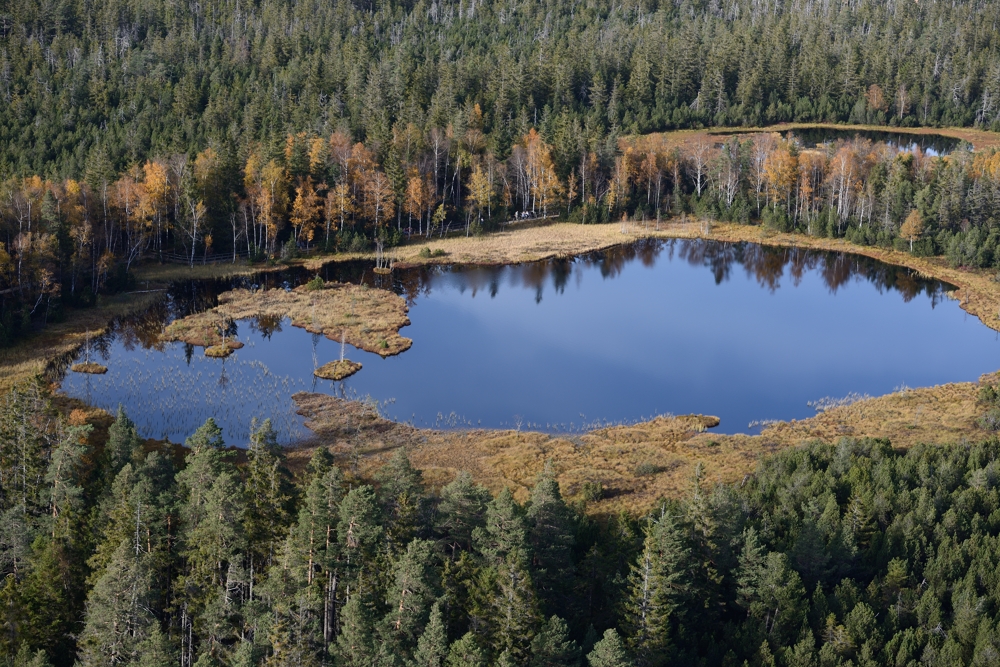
268,495
432,647
401,489
552,646
504,532
460,512
609,652
416,585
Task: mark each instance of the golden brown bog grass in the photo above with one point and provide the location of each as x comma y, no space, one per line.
633,465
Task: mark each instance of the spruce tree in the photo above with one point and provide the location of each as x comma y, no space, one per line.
360,530
609,652
401,489
432,647
213,583
466,652
268,495
504,532
311,555
123,443
551,539
506,660
552,646
355,644
294,634
512,608
119,609
156,650
26,658
658,585
63,478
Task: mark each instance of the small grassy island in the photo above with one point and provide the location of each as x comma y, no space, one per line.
337,370
89,367
367,318
223,350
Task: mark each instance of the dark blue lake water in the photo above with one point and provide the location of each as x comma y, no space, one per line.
739,331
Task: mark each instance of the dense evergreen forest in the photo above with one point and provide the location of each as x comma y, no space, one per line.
126,553
256,130
144,78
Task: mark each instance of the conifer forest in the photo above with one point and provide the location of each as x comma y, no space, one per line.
256,133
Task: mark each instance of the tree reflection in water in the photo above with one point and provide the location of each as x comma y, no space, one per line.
768,265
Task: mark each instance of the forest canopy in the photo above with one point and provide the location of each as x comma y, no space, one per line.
145,78
119,551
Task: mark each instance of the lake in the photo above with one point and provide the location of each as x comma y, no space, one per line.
741,331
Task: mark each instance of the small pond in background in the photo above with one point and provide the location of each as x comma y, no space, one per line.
741,331
929,144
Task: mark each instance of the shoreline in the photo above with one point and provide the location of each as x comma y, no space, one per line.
612,456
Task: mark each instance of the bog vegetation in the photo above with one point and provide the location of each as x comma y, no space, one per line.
116,551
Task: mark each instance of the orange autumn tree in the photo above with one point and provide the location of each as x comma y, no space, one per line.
132,201
305,210
157,182
480,190
912,227
273,201
417,198
781,171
